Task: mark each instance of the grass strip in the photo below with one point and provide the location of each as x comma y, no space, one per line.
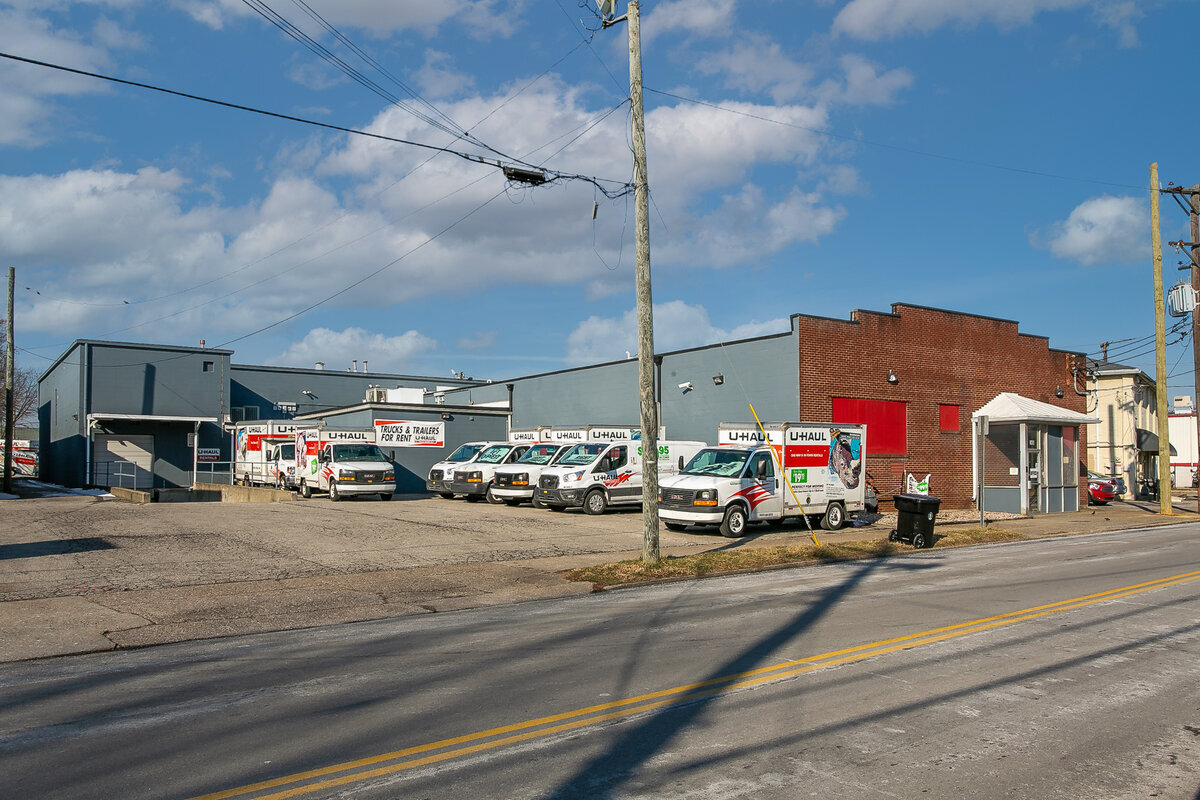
715,562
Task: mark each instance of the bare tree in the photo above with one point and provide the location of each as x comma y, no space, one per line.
25,389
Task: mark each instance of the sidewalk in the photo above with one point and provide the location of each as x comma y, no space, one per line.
96,618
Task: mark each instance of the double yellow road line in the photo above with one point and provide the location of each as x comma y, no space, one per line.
335,775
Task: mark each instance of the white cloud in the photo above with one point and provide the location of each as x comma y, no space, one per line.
875,20
437,78
1103,230
385,353
757,64
677,326
376,18
702,17
864,84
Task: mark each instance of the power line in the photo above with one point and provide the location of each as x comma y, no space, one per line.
551,175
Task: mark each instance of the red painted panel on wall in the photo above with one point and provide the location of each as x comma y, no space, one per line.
948,418
886,421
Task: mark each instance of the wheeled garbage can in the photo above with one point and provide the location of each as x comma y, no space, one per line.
916,514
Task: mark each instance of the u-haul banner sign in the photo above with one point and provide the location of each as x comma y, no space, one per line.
401,433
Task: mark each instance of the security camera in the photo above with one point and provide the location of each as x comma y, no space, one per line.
686,386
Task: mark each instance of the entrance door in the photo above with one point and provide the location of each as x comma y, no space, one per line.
125,461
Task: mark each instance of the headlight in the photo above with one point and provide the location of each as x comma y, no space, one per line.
474,477
705,497
521,479
389,476
574,476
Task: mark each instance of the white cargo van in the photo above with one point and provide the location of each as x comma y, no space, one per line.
474,479
343,463
738,481
441,474
517,482
598,474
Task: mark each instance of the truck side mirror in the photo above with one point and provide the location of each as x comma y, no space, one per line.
760,469
681,463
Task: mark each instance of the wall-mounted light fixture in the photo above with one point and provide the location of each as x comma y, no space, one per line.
1058,392
891,378
718,379
308,394
447,415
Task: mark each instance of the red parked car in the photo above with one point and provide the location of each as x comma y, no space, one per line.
1100,492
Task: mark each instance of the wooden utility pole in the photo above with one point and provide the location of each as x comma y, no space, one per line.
9,377
1160,353
1192,209
645,312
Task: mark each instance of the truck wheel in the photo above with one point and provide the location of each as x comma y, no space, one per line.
734,524
675,526
595,503
537,503
334,494
835,517
246,479
305,489
492,498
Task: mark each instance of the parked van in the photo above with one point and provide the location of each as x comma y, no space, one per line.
739,482
474,480
517,482
599,474
441,474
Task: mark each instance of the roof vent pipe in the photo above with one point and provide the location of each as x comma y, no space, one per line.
355,363
364,365
319,365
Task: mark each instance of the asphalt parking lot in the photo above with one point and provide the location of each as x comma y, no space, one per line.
81,574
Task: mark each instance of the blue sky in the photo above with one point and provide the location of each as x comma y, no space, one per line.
985,156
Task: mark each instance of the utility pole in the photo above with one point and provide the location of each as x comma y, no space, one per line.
1160,353
9,376
645,316
1192,209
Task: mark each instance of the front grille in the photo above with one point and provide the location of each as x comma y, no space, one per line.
435,475
677,498
548,482
504,479
368,477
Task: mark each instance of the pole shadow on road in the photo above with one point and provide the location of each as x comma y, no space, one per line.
54,547
601,777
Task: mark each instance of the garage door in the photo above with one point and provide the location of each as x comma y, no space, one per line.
125,461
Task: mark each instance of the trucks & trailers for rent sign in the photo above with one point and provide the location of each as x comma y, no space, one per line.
400,433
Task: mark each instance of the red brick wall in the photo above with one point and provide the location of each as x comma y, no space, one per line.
940,357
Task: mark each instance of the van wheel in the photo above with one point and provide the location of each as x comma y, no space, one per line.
537,503
385,496
835,517
334,494
734,524
553,507
595,503
514,502
675,526
447,495
492,498
305,489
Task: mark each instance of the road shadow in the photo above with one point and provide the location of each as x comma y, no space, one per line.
54,547
602,776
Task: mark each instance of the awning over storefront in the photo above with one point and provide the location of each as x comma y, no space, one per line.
1147,442
1011,407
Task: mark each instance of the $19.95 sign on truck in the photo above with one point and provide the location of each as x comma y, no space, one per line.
398,433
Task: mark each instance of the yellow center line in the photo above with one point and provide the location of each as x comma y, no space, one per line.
570,720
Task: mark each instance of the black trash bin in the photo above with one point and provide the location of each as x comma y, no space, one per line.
916,514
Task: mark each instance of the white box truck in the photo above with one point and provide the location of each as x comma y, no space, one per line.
597,474
252,445
738,481
342,462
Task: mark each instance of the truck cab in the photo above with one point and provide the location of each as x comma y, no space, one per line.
441,474
517,482
281,459
355,468
474,480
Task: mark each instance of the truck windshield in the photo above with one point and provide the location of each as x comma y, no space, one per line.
494,454
357,452
539,454
717,461
583,454
287,451
465,453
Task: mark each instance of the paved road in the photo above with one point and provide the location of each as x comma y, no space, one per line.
1061,667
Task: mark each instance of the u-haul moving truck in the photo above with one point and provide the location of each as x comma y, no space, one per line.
342,462
476,479
252,446
597,474
738,481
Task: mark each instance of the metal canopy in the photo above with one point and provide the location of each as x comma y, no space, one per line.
1012,407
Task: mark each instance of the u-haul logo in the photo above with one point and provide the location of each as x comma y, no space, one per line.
347,436
611,434
807,436
748,436
523,436
566,435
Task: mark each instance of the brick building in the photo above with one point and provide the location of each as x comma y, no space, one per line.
915,376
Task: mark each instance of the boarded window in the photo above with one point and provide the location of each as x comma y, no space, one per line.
948,418
886,421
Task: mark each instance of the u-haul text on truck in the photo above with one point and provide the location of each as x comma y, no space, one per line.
739,481
252,449
343,463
